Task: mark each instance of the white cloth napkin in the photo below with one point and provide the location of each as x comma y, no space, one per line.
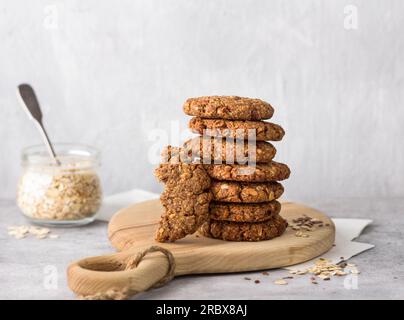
346,229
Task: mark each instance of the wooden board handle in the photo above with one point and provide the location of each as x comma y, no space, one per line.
121,275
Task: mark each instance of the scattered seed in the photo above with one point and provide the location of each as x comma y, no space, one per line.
305,223
257,281
247,278
265,273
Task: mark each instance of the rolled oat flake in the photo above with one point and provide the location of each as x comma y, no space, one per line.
65,194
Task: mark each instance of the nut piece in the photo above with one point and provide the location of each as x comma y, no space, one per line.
186,199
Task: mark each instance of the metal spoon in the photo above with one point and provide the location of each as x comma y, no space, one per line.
31,105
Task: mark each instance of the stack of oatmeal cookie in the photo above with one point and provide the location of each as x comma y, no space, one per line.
236,155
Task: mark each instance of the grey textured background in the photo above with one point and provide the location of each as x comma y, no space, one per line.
110,73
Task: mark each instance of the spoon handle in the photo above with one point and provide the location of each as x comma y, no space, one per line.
31,106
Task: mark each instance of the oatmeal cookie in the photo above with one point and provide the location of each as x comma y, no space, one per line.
230,151
244,212
264,131
186,199
228,107
273,171
226,191
174,155
244,231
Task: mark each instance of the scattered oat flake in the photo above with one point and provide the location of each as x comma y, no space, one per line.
280,282
301,272
21,232
300,234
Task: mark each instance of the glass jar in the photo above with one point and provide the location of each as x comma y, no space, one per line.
68,194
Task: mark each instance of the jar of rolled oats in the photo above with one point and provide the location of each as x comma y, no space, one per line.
64,194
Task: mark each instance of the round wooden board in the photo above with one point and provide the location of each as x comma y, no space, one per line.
132,229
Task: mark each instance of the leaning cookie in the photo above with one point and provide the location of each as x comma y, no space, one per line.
273,171
258,130
245,212
228,107
186,198
239,231
230,151
239,192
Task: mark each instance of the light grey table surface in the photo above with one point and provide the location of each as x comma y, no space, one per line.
36,269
